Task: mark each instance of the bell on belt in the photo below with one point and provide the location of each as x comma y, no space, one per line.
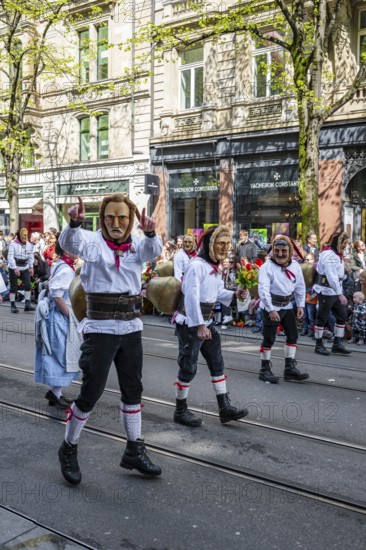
78,299
309,274
165,269
165,293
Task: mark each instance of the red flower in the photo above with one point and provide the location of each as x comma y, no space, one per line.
248,267
259,262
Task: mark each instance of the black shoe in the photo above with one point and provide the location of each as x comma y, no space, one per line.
292,373
136,457
320,348
265,373
59,402
338,347
14,308
28,306
226,411
182,415
303,333
68,455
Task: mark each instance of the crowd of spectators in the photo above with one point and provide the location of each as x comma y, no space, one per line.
249,248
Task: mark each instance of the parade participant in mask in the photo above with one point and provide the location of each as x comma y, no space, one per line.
20,264
280,281
186,253
328,286
111,278
202,287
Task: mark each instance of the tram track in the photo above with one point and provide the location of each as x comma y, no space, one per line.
246,475
336,368
212,414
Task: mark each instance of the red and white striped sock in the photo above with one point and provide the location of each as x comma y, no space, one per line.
75,422
130,416
181,389
290,351
265,353
339,331
318,332
219,383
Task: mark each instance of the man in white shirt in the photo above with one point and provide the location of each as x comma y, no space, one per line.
328,286
20,264
182,257
281,281
202,287
111,278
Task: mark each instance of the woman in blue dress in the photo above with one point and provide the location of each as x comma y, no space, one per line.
53,317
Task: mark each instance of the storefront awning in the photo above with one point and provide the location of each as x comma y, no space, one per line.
26,206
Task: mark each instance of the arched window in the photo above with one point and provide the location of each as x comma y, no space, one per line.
102,137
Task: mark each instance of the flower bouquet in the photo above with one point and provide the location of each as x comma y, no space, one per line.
247,274
148,274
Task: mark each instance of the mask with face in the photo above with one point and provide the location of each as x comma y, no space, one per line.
215,244
189,243
23,235
116,217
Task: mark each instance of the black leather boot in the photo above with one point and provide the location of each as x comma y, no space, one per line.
68,455
28,306
292,372
135,456
14,308
227,411
338,347
320,348
266,374
182,415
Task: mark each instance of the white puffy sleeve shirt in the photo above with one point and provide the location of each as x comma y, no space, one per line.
273,279
181,260
22,252
330,265
201,284
99,273
61,277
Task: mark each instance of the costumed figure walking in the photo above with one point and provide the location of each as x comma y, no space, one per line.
280,281
111,278
328,286
57,340
202,287
182,257
20,264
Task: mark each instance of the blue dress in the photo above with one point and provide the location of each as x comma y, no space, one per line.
51,369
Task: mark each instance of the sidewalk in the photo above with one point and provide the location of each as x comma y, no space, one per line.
18,532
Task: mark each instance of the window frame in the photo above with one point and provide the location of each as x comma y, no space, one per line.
264,51
81,134
360,33
101,48
84,63
191,67
99,140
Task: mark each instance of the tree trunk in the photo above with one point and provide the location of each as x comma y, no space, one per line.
309,136
12,167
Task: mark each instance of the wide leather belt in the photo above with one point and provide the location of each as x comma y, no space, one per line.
206,309
281,301
20,263
119,307
321,280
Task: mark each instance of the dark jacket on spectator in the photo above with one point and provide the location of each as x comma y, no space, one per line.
246,250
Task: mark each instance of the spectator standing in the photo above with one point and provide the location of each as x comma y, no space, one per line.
358,262
359,319
49,253
245,249
311,245
41,273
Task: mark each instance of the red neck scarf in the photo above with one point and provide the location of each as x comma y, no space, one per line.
216,269
119,249
68,261
191,254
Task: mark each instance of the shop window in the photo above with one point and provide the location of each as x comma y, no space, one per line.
84,69
362,37
102,137
191,78
102,53
268,67
85,139
28,150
